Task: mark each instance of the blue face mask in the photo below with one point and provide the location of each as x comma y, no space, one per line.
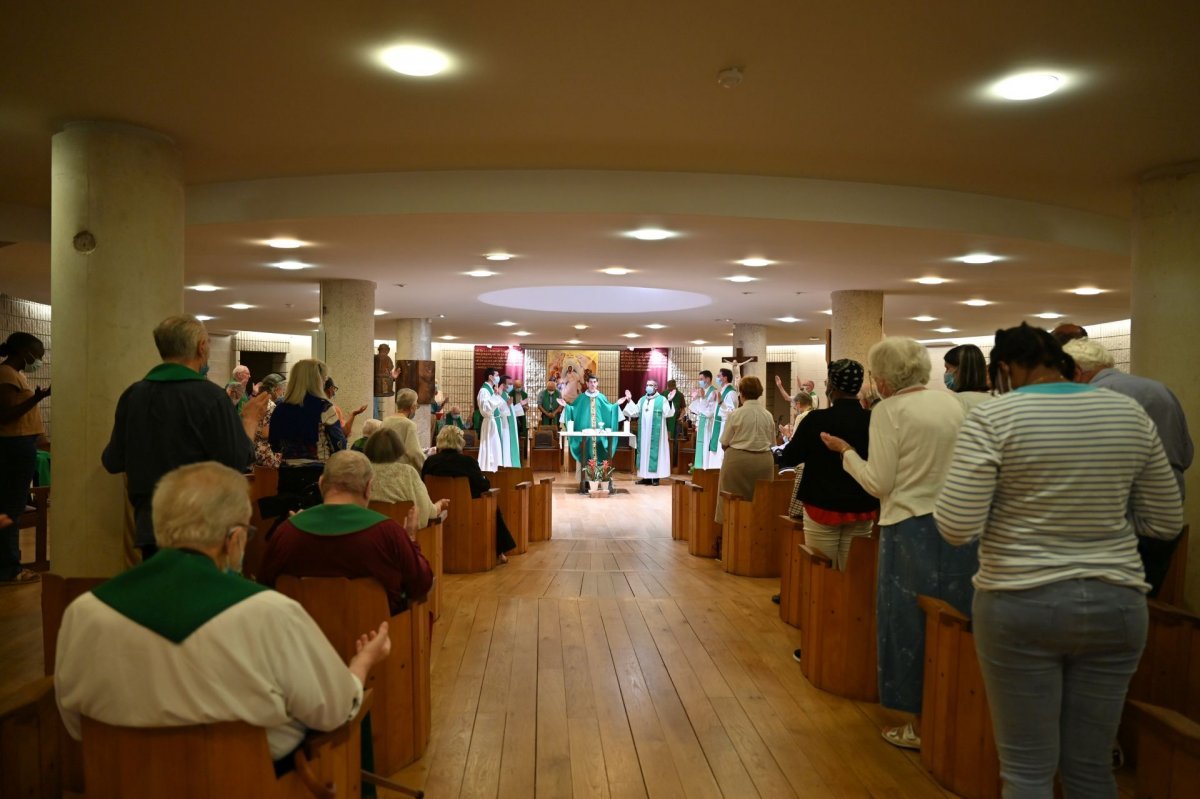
204,370
948,379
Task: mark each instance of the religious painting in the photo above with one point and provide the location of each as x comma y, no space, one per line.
420,376
570,369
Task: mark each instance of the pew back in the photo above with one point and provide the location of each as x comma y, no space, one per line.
429,539
704,529
1168,753
791,564
541,508
681,509
750,543
30,753
469,537
514,502
264,482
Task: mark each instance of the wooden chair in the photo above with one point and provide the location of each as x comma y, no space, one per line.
704,531
37,517
838,621
1168,675
545,455
682,516
469,537
345,609
215,761
514,503
264,482
1168,753
751,533
791,564
957,743
30,742
429,539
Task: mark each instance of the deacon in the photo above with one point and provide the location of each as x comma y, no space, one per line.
654,439
704,405
493,409
511,440
590,411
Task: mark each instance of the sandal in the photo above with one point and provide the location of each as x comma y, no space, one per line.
903,736
24,577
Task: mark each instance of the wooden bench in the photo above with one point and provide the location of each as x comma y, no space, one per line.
545,455
1172,590
682,515
791,564
469,532
30,742
429,539
704,530
837,620
1168,753
541,507
751,533
345,609
957,743
264,482
685,455
514,503
37,516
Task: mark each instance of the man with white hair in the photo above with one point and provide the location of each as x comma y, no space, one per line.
1095,365
402,422
343,537
182,639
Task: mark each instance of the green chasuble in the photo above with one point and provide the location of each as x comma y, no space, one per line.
589,413
175,593
650,411
336,519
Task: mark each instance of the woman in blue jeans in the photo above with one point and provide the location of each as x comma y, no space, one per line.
20,429
1053,478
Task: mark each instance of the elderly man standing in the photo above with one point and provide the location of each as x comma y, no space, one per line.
174,416
208,645
653,438
1094,364
402,423
342,537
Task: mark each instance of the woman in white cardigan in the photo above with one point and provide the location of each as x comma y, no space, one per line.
398,482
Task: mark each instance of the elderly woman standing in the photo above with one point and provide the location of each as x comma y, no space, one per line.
396,481
912,437
1060,610
747,436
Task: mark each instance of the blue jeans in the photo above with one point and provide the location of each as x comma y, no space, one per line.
1057,660
18,464
914,559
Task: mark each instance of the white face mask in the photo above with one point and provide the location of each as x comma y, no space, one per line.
495,380
33,366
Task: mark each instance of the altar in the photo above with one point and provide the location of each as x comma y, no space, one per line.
565,435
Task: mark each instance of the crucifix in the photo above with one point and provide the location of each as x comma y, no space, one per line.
737,361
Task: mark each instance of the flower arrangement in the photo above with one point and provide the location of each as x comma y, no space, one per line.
598,471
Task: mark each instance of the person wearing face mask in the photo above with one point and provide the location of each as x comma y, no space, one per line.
175,416
273,385
493,408
222,647
510,425
704,406
966,375
20,428
653,438
452,418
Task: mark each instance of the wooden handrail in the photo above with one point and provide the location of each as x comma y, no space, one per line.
26,695
942,609
819,557
1182,731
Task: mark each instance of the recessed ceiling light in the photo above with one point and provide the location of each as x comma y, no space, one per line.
977,303
380,312
788,319
574,341
1027,86
945,330
979,258
655,326
291,265
498,256
924,318
931,281
828,312
581,327
480,273
698,341
1087,291
1048,315
740,278
204,287
204,318
507,323
316,320
631,335
616,270
814,338
284,244
448,337
415,60
755,262
240,306
651,234
522,333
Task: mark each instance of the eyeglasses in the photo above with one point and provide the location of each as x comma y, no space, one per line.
249,528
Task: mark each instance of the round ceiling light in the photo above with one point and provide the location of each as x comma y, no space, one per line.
740,279
448,337
574,341
291,266
204,287
498,256
631,335
945,330
480,273
1087,291
1048,315
698,341
581,327
977,303
978,258
204,318
380,312
755,262
240,306
507,323
284,244
924,318
788,319
1027,86
931,281
616,270
655,326
415,60
651,234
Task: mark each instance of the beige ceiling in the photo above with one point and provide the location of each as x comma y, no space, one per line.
886,93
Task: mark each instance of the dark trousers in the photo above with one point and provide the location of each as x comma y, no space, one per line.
1156,560
18,464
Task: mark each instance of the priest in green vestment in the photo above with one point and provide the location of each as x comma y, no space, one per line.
653,441
548,404
591,410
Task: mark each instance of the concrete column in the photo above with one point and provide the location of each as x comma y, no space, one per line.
116,271
857,324
1166,283
348,325
752,339
414,342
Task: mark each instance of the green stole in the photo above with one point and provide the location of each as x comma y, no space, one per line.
172,373
715,441
702,423
336,519
514,446
175,593
656,430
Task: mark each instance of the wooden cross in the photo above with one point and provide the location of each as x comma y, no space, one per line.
737,361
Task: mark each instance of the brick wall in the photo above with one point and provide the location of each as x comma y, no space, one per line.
23,316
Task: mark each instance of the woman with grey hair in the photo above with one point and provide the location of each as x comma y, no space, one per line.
912,437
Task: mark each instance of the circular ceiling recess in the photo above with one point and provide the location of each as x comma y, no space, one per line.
595,299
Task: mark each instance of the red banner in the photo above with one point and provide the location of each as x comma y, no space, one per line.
507,360
639,365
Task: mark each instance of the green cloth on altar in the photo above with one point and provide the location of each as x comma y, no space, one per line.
589,413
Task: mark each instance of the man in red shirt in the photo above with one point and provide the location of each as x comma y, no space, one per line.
342,537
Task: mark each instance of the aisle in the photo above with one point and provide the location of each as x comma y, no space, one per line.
609,662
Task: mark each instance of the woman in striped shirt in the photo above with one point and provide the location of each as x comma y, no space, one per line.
1054,478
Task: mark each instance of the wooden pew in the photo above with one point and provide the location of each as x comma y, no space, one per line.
957,743
469,537
471,444
685,454
682,516
541,506
345,609
30,743
216,761
264,482
429,539
751,533
1172,590
1168,753
545,455
704,530
837,619
37,517
514,504
791,564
